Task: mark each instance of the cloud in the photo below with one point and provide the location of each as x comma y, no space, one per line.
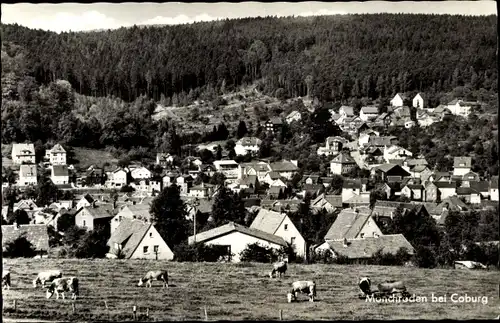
177,20
63,21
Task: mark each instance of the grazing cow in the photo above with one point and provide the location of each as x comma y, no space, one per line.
306,287
391,287
6,279
46,277
279,268
150,276
62,285
365,285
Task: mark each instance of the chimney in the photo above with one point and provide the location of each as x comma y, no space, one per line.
93,204
16,226
345,243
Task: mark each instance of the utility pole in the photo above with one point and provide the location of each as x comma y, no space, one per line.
195,205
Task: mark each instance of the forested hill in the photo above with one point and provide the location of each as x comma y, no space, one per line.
333,56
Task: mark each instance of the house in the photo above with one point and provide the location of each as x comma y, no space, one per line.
37,234
273,125
469,195
413,190
23,154
460,107
351,187
86,200
452,203
494,188
389,170
259,169
293,116
56,155
29,206
482,187
140,173
470,177
135,239
89,217
328,202
131,212
333,146
396,152
418,101
361,200
361,250
95,176
285,168
398,100
436,190
59,174
352,224
27,175
383,120
342,164
236,238
149,186
202,190
117,178
368,113
227,167
279,224
462,165
184,182
247,145
364,137
383,141
311,189
164,159
346,111
281,205
424,119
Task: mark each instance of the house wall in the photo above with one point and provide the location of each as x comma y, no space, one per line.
141,173
336,168
370,229
198,193
494,194
238,242
431,193
84,220
58,158
418,102
417,194
397,101
82,203
461,171
60,179
23,159
347,193
152,238
27,180
243,150
406,191
291,231
446,192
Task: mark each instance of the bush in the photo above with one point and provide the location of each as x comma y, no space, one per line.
426,257
19,247
201,252
389,259
65,221
256,253
127,189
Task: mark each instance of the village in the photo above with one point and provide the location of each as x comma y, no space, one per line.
269,189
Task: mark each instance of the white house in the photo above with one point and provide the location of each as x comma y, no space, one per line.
333,145
462,165
368,113
346,111
343,163
163,159
293,116
285,168
236,238
398,100
27,175
135,239
494,188
247,145
60,175
353,224
227,167
280,225
396,152
56,155
364,137
23,153
130,212
86,200
140,173
418,101
202,190
117,178
460,107
259,169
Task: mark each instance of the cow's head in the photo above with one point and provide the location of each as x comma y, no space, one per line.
365,285
35,282
289,296
140,282
49,292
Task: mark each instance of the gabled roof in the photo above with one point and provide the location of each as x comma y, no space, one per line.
23,149
283,166
401,95
359,199
268,221
275,121
462,162
481,186
129,234
140,211
59,170
249,141
450,184
416,161
349,111
352,183
343,158
369,110
27,171
381,141
234,227
57,149
386,167
100,211
419,168
37,234
466,191
293,114
367,247
333,200
348,224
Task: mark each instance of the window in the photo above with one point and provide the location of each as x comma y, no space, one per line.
292,242
155,248
145,249
362,235
84,223
151,234
286,227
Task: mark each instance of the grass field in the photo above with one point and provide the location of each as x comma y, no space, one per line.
87,157
241,291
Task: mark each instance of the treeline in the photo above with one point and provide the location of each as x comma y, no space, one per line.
330,57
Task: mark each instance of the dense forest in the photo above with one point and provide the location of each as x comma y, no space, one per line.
329,57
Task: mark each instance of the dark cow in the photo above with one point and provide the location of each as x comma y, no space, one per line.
306,287
365,285
6,279
62,285
161,275
46,277
279,268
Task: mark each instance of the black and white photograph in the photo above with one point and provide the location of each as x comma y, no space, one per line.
286,161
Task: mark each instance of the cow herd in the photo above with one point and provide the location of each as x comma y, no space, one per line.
54,283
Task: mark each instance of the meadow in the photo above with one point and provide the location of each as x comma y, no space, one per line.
240,292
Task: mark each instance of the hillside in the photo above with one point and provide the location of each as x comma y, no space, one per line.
241,292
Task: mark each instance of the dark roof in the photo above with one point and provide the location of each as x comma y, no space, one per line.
352,183
367,247
481,186
232,227
333,200
348,224
445,184
100,211
275,121
59,170
343,158
283,166
268,221
129,233
37,234
381,141
466,191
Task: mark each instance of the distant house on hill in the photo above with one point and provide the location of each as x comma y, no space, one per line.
461,108
60,174
89,217
398,100
27,175
37,234
368,113
131,212
352,224
333,145
164,159
285,168
342,164
328,202
293,116
280,225
56,155
23,154
247,145
135,239
236,238
462,165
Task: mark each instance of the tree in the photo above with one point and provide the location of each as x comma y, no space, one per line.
19,216
46,192
65,221
218,152
93,244
227,207
19,247
242,129
169,213
218,179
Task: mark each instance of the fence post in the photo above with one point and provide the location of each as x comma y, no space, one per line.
73,307
107,309
147,312
281,315
206,315
15,305
134,309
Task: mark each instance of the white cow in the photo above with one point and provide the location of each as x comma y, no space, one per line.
306,287
62,285
279,268
46,277
161,275
6,279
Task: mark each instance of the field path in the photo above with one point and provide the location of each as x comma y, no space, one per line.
18,320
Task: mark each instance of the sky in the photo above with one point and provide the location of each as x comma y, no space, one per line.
84,17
